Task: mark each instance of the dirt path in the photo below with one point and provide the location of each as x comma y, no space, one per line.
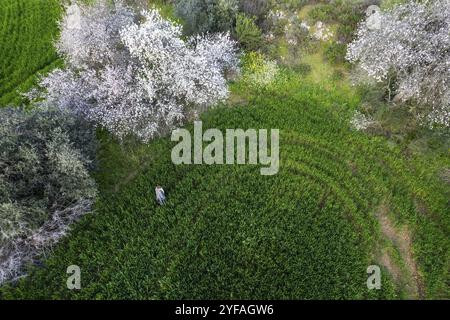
401,239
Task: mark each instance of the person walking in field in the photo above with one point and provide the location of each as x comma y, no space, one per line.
160,195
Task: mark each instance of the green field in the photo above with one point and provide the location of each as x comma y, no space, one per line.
27,31
228,232
342,201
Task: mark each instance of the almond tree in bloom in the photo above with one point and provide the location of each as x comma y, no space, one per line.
412,44
133,73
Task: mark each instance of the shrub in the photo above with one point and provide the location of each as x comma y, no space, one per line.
288,30
307,227
247,32
255,8
348,19
322,13
291,5
45,160
335,52
257,71
201,16
338,75
361,121
346,14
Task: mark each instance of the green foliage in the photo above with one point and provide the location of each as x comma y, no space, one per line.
347,14
165,7
389,4
257,71
335,52
201,16
400,125
228,232
303,69
322,13
45,160
27,31
256,8
247,32
337,75
291,5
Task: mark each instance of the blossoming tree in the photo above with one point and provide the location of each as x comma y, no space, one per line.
134,73
411,44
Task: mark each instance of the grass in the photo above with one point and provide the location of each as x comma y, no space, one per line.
228,232
27,31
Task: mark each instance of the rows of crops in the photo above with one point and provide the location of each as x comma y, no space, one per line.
27,31
227,232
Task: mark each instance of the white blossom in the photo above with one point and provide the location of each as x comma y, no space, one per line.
134,73
413,44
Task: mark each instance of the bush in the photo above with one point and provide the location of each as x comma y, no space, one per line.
348,23
140,79
257,71
201,16
345,13
337,75
45,160
255,8
303,68
323,13
26,41
335,52
247,32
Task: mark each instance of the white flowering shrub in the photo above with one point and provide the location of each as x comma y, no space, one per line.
134,73
45,159
411,45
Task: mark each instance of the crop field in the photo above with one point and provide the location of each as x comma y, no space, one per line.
228,232
27,31
342,200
